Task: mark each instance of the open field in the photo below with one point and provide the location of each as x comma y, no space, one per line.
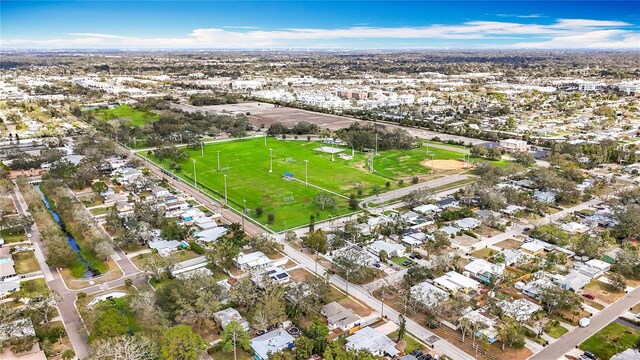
611,340
137,117
10,236
246,165
602,291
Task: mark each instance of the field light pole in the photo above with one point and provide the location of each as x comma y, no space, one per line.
432,155
265,140
306,172
218,160
244,212
201,148
195,179
225,189
270,160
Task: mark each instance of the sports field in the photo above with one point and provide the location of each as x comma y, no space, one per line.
137,117
246,164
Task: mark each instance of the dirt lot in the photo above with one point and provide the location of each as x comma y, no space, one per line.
357,307
299,275
464,240
510,244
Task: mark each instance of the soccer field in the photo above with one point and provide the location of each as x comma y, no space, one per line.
246,165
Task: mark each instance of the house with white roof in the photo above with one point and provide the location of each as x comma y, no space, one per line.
373,341
533,248
535,287
428,209
271,342
428,294
547,197
587,270
484,270
602,266
392,250
514,145
484,323
210,235
454,282
451,231
519,309
468,223
224,317
8,287
572,281
511,256
254,260
164,247
574,227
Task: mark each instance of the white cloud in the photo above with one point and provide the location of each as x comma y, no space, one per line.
570,33
527,16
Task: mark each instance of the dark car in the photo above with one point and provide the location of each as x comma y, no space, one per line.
590,355
377,265
407,263
417,256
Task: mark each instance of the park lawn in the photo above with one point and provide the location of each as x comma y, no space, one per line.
611,340
13,237
246,164
137,117
25,262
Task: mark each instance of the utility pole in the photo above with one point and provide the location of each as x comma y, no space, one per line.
225,189
244,212
306,172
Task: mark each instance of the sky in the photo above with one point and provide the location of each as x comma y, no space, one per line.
516,24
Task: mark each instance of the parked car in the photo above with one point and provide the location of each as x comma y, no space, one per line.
590,355
407,263
584,322
589,296
377,265
417,256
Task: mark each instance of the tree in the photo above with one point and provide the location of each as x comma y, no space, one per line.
111,323
123,347
290,235
324,200
555,298
318,331
259,211
628,221
353,202
383,256
617,282
304,348
317,241
402,327
159,267
312,223
234,335
223,253
181,343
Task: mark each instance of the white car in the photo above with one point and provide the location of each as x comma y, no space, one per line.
29,235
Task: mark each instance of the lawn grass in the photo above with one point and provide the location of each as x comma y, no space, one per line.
248,178
137,117
400,260
602,291
33,288
217,354
10,236
99,211
412,344
483,253
555,331
611,340
25,262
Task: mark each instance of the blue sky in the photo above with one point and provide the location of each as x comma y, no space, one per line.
317,24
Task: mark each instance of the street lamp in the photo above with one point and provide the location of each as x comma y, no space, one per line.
306,172
225,188
270,160
195,182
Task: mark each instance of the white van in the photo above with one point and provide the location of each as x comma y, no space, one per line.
584,322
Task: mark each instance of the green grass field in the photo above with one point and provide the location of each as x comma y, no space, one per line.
247,169
611,340
137,117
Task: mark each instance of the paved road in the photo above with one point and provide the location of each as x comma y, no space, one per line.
66,307
577,336
490,241
398,193
363,295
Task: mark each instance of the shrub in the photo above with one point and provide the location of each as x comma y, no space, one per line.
128,282
259,211
196,248
271,218
414,180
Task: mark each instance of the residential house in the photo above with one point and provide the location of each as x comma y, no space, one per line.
274,273
520,309
602,266
224,317
512,210
572,281
205,223
486,214
611,256
512,256
534,248
586,270
165,247
484,323
339,317
534,288
447,203
8,287
468,223
628,354
574,227
428,209
428,294
210,235
451,231
410,217
252,261
455,282
373,341
18,329
392,250
483,270
271,342
547,197
159,192
356,252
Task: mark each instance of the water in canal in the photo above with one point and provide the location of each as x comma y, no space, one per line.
89,271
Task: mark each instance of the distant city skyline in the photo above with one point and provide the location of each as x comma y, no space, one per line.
340,25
